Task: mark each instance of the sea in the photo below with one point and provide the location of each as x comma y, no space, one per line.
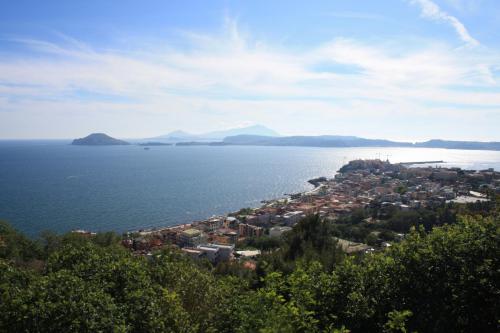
52,185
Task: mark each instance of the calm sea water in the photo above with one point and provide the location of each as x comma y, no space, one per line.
53,185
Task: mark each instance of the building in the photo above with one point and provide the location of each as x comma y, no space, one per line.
212,224
213,252
248,230
390,197
231,222
210,252
171,235
191,238
248,253
291,218
225,251
193,253
445,175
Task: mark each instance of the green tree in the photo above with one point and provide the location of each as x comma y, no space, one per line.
15,246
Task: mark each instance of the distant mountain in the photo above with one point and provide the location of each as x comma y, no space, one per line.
473,145
248,138
250,130
352,141
98,139
312,141
149,143
179,136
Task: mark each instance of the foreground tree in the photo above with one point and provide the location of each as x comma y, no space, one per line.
447,280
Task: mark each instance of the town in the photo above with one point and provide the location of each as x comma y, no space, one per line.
361,185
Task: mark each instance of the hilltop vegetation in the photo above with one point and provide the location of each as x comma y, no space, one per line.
445,280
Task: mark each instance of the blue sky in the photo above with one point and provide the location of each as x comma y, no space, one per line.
396,69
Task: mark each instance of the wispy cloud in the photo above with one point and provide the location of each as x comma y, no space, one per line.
223,79
432,11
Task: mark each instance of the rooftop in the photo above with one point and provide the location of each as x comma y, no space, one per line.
191,232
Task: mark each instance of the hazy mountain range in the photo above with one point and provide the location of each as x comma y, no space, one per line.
181,136
312,141
352,141
259,135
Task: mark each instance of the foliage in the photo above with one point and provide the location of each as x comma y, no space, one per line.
397,321
15,246
264,243
312,239
443,280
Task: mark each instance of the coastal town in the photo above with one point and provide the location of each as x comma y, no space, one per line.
358,185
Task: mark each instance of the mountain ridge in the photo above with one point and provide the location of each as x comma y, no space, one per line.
185,139
180,135
353,141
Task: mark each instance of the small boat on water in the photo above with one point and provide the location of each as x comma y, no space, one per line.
146,148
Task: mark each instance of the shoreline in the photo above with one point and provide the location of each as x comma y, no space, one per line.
318,183
264,203
369,186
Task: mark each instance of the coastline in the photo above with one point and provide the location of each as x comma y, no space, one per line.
264,203
317,183
375,189
148,197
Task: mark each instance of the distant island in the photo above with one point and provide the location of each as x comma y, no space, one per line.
153,143
340,141
99,139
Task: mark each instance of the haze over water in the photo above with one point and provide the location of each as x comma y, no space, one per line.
56,186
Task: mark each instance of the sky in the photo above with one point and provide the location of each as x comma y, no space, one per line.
394,69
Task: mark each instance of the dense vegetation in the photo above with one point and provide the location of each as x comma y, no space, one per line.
442,280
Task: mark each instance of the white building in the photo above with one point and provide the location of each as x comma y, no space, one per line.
225,251
291,218
248,253
210,252
214,252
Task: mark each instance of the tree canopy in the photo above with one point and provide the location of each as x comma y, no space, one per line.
443,280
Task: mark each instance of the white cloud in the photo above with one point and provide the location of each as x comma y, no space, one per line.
432,11
219,80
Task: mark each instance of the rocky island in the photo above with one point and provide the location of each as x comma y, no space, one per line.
99,139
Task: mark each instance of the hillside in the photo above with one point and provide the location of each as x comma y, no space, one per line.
446,280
